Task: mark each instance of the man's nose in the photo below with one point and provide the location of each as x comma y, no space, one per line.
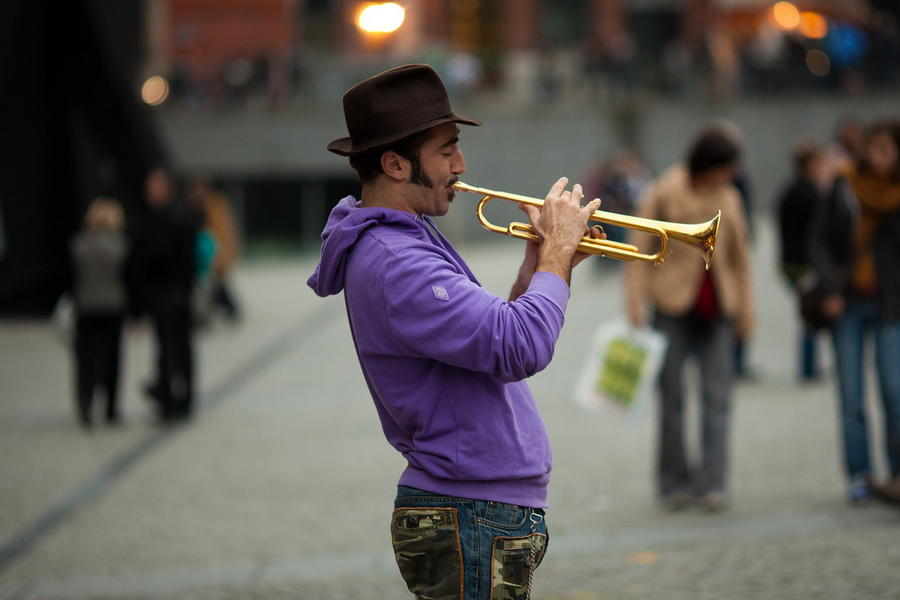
459,163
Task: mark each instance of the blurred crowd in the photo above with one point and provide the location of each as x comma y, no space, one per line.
840,240
851,57
839,253
172,272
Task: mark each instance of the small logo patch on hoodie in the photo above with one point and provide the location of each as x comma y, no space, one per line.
440,293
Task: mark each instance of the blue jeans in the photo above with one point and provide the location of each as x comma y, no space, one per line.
861,318
463,549
809,355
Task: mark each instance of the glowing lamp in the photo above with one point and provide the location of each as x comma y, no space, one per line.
155,90
785,15
381,18
813,25
818,63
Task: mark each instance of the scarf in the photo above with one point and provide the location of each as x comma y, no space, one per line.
878,196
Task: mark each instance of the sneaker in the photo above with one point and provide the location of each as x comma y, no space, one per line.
888,492
859,491
84,414
714,502
155,392
677,502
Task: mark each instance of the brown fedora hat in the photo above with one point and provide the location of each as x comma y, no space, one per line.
392,106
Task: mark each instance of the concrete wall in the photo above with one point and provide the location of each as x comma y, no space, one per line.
524,150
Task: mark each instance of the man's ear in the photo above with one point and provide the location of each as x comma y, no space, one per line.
394,166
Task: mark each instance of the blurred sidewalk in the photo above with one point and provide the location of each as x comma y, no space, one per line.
283,485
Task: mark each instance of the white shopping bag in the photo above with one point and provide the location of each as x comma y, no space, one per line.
64,318
621,368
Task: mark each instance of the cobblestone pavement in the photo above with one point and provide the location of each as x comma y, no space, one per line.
283,484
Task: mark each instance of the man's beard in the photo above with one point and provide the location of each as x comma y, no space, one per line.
418,176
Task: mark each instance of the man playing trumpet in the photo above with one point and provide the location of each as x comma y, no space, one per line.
444,359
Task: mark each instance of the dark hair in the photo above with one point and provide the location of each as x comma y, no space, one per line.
712,149
804,152
368,165
890,128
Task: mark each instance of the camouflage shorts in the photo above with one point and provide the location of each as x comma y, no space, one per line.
461,549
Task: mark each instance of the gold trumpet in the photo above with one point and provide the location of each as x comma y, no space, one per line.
701,236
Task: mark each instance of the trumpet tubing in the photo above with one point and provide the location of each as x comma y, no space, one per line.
700,236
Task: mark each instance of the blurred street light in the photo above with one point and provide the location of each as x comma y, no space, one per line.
381,18
785,15
813,25
818,63
155,90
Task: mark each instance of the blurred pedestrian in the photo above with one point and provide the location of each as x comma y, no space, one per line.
617,180
845,149
702,312
167,276
855,248
219,221
795,208
464,71
99,252
743,369
446,360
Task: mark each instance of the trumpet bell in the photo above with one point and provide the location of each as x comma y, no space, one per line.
701,236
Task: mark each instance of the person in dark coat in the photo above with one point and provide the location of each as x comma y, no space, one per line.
795,209
854,244
167,267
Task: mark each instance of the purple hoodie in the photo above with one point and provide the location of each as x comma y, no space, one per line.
444,359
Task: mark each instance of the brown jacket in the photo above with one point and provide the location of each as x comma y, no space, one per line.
220,220
672,287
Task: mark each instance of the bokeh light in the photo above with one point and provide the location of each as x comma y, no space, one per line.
813,25
785,15
155,90
381,18
818,63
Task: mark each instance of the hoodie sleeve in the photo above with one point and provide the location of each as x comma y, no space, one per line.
434,311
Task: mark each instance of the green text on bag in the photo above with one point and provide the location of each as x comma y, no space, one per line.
620,374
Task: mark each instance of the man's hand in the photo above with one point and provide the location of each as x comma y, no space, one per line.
561,223
595,232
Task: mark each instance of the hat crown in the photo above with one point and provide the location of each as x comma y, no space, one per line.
398,98
394,105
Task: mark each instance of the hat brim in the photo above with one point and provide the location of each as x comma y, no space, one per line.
344,146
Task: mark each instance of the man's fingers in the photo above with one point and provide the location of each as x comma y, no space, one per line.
577,192
595,232
530,210
559,186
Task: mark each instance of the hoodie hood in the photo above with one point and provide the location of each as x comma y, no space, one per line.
346,223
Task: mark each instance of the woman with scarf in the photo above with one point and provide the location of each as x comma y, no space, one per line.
855,248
